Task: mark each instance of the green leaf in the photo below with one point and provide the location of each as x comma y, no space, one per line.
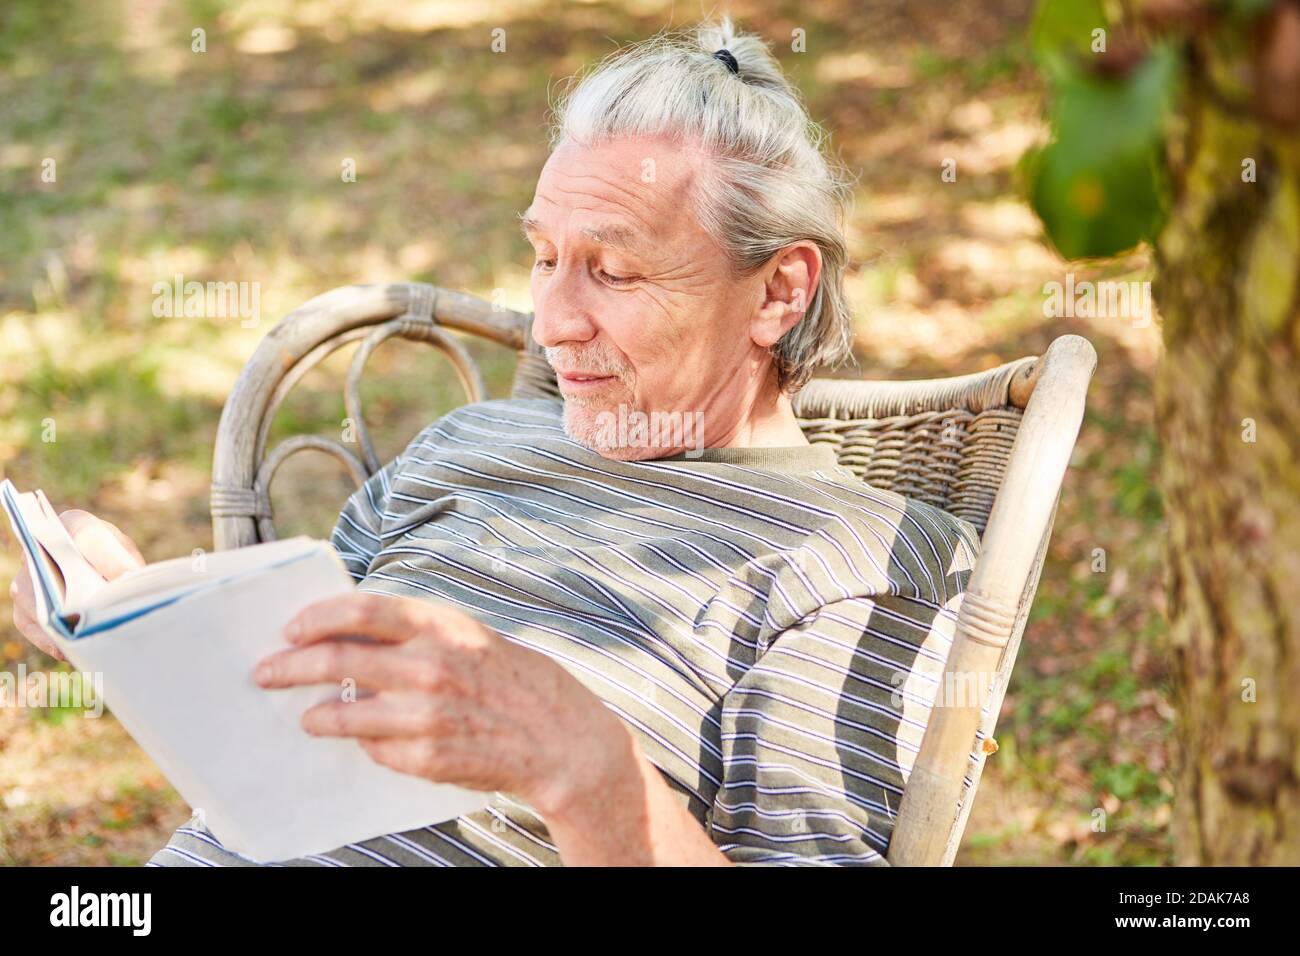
1099,185
1062,32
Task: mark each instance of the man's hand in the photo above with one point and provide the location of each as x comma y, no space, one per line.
451,700
109,552
457,703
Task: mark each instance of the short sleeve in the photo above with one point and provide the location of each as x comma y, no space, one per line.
819,735
357,534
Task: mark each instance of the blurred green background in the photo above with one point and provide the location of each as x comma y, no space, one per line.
225,166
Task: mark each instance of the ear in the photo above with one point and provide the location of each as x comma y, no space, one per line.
789,281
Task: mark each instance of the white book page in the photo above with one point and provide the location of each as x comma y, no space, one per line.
79,580
47,583
184,574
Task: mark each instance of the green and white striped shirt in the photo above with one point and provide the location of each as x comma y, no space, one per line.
770,627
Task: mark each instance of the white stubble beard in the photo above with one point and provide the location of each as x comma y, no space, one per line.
582,416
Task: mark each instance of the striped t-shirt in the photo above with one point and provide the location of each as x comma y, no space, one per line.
770,627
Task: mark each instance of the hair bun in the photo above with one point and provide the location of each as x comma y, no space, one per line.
724,42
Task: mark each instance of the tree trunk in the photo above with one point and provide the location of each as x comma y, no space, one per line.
1227,266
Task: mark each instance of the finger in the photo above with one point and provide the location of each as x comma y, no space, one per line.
125,542
390,714
378,616
102,544
30,629
332,662
416,756
22,595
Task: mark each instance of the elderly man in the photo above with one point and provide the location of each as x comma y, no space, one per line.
653,652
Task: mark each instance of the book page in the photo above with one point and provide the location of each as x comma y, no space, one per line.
156,585
60,573
80,580
182,574
47,583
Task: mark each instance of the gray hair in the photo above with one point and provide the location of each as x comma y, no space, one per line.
772,181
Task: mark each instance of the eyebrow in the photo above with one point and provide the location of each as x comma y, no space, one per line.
528,224
616,236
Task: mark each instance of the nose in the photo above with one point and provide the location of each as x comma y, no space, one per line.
561,313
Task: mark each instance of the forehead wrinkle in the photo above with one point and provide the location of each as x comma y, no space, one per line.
657,202
658,212
612,234
626,203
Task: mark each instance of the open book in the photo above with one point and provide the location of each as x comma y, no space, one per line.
175,644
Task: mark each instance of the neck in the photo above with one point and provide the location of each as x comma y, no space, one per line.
771,423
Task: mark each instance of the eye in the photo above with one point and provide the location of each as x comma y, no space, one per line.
613,279
542,263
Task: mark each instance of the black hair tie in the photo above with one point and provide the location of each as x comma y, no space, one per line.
726,57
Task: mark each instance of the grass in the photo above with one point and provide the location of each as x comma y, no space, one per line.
226,166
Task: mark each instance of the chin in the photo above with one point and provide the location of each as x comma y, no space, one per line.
589,424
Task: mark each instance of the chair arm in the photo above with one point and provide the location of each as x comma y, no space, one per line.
240,506
1018,523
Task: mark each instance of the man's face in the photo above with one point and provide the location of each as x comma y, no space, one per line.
635,304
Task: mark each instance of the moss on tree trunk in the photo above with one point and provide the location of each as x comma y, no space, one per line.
1228,261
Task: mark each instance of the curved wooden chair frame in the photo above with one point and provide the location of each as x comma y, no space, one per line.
991,447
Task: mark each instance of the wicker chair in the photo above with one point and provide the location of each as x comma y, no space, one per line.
991,447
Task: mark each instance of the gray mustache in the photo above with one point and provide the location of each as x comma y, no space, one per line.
589,361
